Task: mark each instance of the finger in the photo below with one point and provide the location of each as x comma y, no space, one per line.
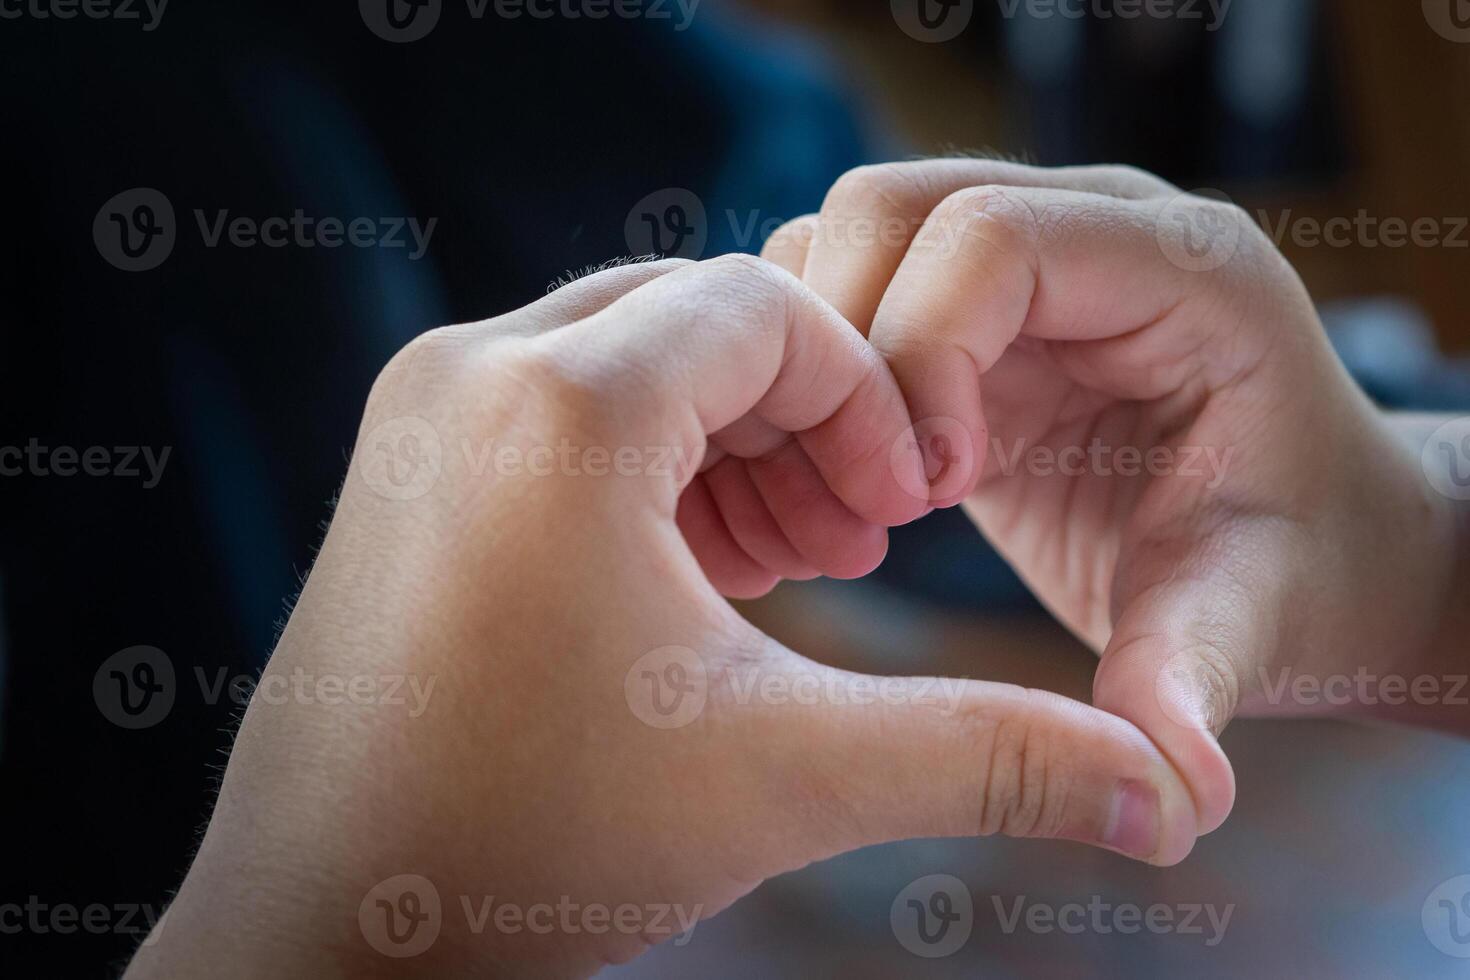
577,300
788,245
819,526
694,351
791,494
1199,608
725,563
873,214
1085,274
750,521
1091,278
996,759
755,442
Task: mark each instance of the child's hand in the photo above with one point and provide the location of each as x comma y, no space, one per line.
1168,452
604,731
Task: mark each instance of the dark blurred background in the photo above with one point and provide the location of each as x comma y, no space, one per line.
178,407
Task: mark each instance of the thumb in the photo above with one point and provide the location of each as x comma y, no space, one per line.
1183,652
941,757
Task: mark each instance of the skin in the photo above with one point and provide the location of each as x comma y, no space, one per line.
999,303
1021,306
535,772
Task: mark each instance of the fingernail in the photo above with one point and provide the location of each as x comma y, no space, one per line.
1133,825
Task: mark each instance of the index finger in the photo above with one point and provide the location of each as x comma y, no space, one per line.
695,351
872,215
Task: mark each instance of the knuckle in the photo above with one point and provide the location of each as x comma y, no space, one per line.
424,362
1025,788
1262,263
557,386
879,188
741,285
1124,176
468,382
798,233
997,221
745,269
1226,213
1005,205
669,264
652,269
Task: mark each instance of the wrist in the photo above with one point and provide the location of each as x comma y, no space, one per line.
1428,604
1377,629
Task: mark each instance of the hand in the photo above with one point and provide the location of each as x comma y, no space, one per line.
603,731
1131,392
